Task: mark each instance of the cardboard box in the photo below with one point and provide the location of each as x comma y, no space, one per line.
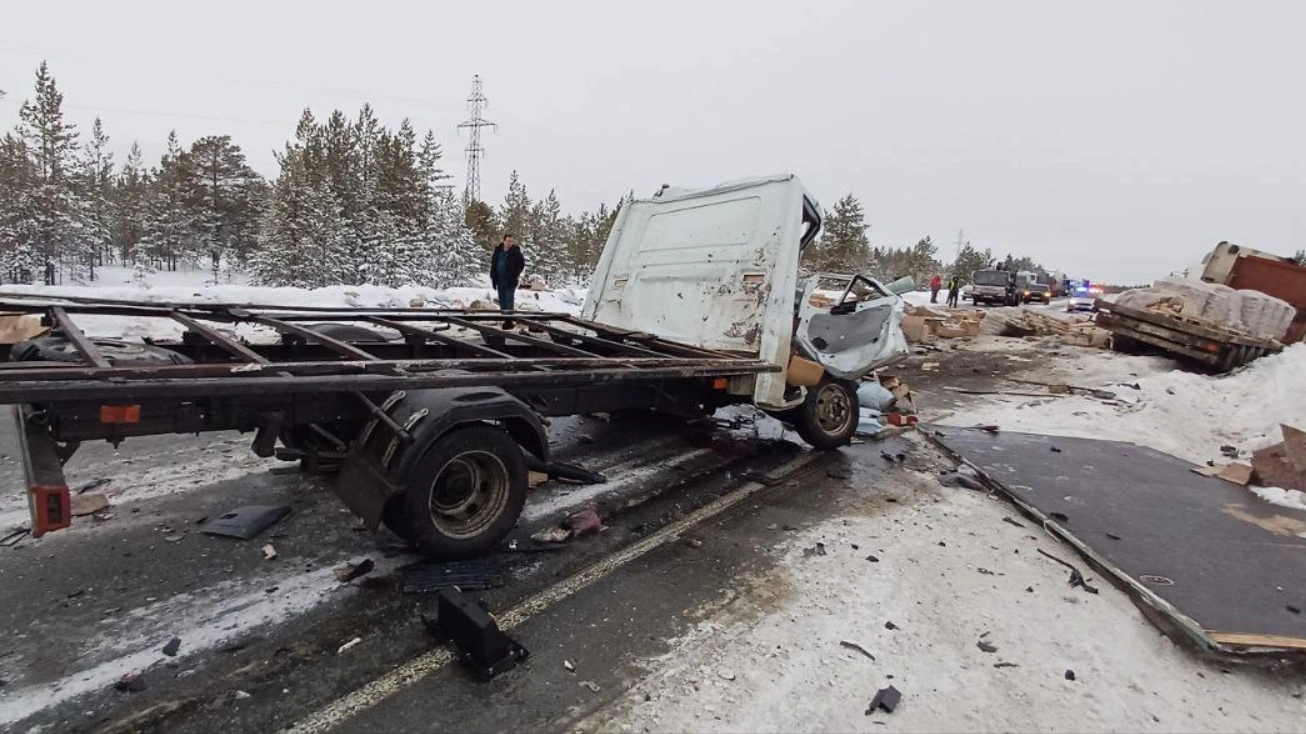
803,372
15,328
952,330
917,329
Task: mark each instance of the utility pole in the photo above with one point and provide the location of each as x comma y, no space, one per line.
475,106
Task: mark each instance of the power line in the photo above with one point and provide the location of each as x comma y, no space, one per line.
475,105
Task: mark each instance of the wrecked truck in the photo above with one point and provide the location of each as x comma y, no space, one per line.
432,417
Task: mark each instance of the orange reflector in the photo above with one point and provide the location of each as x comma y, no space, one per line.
51,509
720,383
120,414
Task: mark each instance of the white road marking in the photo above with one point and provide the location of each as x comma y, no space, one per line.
361,699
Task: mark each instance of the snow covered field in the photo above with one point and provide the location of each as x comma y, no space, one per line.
196,287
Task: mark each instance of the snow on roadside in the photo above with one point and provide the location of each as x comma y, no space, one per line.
1181,413
771,659
192,288
1290,498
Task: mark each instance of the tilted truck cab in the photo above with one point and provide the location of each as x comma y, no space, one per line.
718,268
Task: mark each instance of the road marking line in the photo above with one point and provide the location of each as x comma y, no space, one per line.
361,699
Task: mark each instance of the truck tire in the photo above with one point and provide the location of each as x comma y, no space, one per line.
828,417
118,353
464,494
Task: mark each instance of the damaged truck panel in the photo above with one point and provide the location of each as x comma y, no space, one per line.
718,268
861,333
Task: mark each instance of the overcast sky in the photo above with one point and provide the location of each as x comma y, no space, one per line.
1117,140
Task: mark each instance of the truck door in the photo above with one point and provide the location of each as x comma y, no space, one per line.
857,331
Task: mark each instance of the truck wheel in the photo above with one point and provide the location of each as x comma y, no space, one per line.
465,493
828,417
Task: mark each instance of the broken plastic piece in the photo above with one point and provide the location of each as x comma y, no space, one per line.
483,646
351,571
886,699
247,522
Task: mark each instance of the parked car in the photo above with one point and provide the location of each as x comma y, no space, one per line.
1037,292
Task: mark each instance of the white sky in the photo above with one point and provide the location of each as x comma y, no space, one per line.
1118,140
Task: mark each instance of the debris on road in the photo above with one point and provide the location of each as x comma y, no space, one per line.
984,646
14,536
891,626
1013,521
426,577
351,571
1283,465
269,552
483,646
858,648
816,550
1071,331
726,674
172,647
1070,675
886,699
93,484
1005,665
571,667
247,522
584,521
130,683
552,535
591,685
82,505
349,645
1076,578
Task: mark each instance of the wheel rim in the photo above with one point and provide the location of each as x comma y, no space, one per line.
468,493
833,409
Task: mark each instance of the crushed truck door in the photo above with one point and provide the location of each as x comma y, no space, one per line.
855,333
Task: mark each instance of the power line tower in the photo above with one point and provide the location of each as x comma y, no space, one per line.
475,105
961,239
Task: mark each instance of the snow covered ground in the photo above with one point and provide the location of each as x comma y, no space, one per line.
949,574
196,287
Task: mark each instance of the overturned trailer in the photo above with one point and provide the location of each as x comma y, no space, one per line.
431,415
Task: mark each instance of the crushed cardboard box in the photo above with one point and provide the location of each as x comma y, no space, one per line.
1283,465
921,324
17,327
1073,332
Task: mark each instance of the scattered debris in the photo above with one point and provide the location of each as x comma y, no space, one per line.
1073,332
930,367
1013,521
246,522
14,536
984,571
172,647
726,674
838,472
82,505
691,542
1070,675
269,552
1055,450
425,577
1229,451
989,429
351,571
873,559
886,699
858,648
1294,610
891,626
174,538
1113,536
984,646
552,535
816,550
1059,516
242,695
569,666
584,521
591,685
482,645
1283,465
130,683
1005,665
1076,578
348,645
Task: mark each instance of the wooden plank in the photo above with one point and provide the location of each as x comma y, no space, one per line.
1254,640
80,342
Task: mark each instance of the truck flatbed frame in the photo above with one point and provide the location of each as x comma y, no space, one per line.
1216,348
353,399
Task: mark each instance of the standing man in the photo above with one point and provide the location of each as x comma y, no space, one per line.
935,284
954,290
506,266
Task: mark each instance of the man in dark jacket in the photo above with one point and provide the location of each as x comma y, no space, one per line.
506,266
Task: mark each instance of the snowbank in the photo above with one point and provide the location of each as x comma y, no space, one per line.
197,288
1181,413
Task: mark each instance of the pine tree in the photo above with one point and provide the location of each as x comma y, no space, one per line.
56,214
843,246
304,238
172,226
225,194
548,235
970,259
97,192
18,236
131,196
515,212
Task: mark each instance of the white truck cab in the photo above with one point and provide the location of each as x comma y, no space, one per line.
718,268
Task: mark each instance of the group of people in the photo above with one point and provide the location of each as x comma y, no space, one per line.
954,290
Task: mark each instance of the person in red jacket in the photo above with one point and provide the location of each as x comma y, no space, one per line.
935,284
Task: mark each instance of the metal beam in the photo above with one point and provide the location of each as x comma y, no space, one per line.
348,350
231,346
83,345
505,334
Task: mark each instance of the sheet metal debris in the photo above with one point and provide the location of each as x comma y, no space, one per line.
247,522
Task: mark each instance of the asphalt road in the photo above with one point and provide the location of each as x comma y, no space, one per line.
689,512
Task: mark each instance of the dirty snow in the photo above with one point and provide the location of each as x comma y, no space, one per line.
951,573
1182,413
1292,498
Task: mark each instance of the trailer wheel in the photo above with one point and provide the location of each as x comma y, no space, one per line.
827,419
464,494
